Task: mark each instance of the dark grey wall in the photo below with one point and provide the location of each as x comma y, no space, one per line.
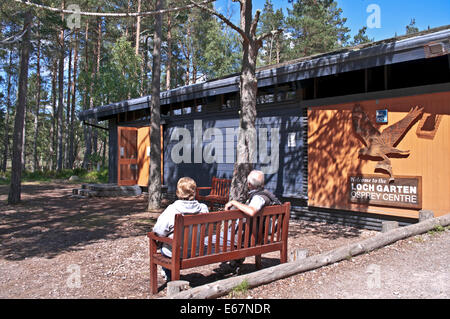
290,177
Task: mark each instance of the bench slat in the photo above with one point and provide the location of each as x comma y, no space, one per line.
225,235
202,239
247,233
185,241
210,232
194,240
273,228
266,229
239,233
280,219
253,232
232,239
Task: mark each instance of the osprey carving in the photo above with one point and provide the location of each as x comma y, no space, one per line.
380,145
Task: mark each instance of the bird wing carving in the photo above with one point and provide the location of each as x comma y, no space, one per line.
392,134
362,125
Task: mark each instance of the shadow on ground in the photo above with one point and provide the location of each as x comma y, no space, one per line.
322,230
49,221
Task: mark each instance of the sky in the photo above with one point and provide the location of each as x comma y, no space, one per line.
394,15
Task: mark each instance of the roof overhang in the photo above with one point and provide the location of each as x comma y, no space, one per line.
371,55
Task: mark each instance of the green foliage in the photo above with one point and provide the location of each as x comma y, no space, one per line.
48,176
119,78
438,229
240,289
220,53
411,28
316,26
361,37
275,47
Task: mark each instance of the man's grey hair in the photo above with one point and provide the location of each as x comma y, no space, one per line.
256,179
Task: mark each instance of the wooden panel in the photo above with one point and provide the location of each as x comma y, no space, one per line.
127,156
144,156
333,152
143,139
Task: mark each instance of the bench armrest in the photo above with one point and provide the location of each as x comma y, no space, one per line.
197,192
155,237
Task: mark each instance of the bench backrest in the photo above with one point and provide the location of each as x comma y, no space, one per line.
220,187
229,235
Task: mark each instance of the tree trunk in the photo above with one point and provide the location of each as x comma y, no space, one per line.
72,110
154,188
138,28
19,121
38,102
145,72
8,108
68,104
95,76
87,130
53,144
61,96
246,147
281,271
169,52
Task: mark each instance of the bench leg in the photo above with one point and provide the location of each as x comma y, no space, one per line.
153,269
283,255
153,278
258,264
176,274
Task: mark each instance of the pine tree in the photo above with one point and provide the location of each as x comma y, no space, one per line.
19,121
274,47
361,37
411,27
315,26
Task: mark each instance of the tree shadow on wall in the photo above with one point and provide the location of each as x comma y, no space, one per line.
332,157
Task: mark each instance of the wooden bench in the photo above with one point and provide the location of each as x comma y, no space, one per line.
240,236
219,192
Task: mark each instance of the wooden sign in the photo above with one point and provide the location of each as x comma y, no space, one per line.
403,192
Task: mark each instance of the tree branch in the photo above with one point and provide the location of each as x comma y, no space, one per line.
255,22
109,14
14,38
224,19
268,34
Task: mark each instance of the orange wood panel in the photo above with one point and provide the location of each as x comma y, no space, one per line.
333,148
144,157
127,156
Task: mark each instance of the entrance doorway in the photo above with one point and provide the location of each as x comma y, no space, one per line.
134,155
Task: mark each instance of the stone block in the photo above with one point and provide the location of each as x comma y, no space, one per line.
425,214
174,287
388,225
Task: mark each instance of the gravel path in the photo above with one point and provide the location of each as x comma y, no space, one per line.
417,267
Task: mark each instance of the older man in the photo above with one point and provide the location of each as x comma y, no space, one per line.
257,198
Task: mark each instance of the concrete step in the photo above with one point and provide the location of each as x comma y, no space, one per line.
107,190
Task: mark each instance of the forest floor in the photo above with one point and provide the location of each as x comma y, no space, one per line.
53,245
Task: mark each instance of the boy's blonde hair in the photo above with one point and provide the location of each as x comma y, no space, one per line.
186,188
